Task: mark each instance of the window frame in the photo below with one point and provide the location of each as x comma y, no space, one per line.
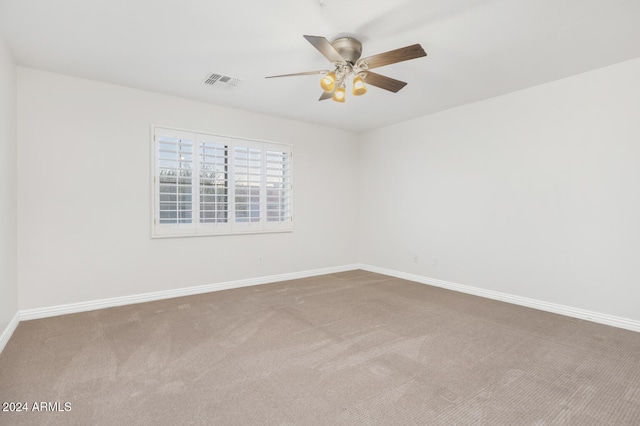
232,226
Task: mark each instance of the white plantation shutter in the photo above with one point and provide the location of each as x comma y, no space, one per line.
213,168
209,184
278,185
248,182
174,181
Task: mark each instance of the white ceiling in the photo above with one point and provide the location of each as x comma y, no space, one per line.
476,48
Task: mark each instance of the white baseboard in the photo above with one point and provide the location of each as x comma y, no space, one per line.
569,311
72,308
8,331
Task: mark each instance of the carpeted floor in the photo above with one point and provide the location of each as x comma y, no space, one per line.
353,348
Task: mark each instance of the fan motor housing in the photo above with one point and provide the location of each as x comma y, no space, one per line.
349,48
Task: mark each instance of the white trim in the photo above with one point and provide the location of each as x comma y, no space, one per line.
72,308
29,314
626,323
8,331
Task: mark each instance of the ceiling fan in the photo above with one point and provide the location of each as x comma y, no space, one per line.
344,53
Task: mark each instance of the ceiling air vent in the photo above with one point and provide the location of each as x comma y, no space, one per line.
220,80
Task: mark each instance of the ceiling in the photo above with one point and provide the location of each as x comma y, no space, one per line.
477,49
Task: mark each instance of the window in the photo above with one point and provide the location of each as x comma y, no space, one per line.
209,184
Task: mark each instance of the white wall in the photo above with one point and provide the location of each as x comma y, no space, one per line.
8,188
84,185
535,194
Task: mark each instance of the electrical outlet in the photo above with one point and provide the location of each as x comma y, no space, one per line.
415,258
434,262
259,260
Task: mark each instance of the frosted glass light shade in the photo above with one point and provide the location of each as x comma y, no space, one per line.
339,95
358,86
328,82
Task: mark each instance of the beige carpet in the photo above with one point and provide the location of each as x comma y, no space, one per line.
354,348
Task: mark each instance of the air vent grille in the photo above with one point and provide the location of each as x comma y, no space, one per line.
220,80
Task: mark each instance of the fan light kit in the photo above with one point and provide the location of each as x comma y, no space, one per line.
344,53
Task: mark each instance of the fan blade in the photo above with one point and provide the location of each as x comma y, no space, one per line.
326,95
393,56
324,47
299,73
383,82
